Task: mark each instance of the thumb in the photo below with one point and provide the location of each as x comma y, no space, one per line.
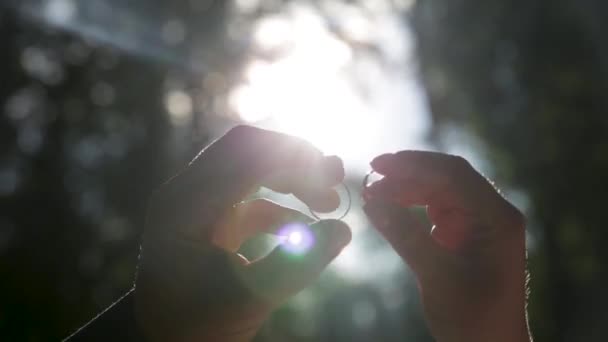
406,234
295,264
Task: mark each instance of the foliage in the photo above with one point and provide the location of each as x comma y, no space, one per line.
529,78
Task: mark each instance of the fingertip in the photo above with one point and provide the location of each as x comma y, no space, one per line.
382,162
383,188
334,160
342,234
333,233
321,201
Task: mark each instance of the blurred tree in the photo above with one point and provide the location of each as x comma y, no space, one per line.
529,79
69,215
86,132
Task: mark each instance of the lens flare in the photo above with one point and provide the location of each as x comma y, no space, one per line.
296,238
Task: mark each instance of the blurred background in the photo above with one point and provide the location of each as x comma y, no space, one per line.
101,100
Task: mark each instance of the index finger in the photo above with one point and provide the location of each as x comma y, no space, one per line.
312,185
436,179
234,165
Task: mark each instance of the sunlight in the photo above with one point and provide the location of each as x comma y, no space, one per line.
304,92
318,87
295,238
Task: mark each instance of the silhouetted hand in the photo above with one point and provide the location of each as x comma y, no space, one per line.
191,284
471,265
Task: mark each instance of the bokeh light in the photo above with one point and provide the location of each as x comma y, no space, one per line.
179,106
296,238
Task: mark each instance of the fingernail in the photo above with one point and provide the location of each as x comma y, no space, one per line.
381,162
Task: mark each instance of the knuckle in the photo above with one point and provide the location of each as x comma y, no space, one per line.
458,168
513,216
239,138
516,216
460,163
239,131
403,154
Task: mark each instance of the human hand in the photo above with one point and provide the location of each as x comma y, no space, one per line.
470,266
191,284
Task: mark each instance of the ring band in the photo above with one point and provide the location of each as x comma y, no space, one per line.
366,179
350,201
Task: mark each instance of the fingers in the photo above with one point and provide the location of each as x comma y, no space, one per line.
241,159
434,178
405,193
312,185
326,172
283,273
407,235
251,218
324,201
222,174
236,165
460,202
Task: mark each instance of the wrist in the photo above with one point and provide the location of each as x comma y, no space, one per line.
116,323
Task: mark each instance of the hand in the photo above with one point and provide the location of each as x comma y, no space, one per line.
470,266
191,284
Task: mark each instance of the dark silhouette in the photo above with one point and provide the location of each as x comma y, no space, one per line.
192,286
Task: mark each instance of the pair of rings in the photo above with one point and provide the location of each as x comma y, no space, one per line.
348,195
